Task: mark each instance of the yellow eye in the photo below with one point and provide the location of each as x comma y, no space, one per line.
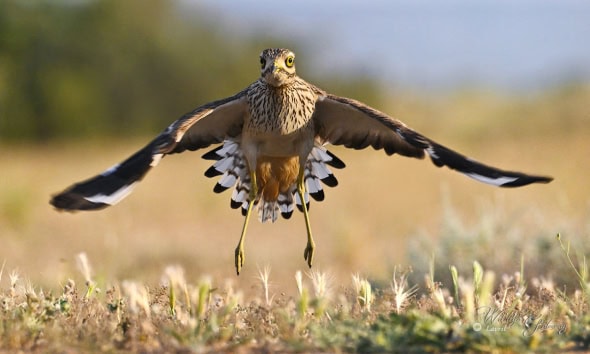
290,61
262,62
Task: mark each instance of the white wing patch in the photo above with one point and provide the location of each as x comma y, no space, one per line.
431,152
500,181
110,170
227,180
156,159
113,198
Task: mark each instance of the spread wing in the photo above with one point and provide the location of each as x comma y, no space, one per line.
343,121
206,125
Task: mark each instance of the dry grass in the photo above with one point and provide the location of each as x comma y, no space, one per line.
173,217
181,316
385,212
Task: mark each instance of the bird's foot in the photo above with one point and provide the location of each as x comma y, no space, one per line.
240,257
308,253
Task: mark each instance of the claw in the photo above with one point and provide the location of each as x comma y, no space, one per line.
240,257
308,253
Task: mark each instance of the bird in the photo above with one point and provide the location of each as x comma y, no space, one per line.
271,143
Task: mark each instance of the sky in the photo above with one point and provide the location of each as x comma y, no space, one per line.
427,44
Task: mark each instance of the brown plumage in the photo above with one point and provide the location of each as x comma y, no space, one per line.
276,175
273,134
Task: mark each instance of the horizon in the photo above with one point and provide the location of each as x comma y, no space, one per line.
431,46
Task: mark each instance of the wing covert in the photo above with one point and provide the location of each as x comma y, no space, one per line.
209,124
343,121
206,125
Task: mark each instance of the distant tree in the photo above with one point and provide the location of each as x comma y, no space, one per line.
96,67
72,69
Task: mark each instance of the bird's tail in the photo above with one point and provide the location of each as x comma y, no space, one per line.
232,167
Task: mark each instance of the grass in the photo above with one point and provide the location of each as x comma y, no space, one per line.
178,316
409,258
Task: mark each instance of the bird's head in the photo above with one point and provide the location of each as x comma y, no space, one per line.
277,66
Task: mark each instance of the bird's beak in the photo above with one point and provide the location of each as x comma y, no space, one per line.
276,67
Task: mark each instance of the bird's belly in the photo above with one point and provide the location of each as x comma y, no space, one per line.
276,175
295,144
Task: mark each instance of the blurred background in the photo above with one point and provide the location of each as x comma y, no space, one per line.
83,84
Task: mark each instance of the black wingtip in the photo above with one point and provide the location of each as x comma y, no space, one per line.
300,207
545,179
219,188
526,180
212,154
212,172
72,202
330,181
318,196
443,156
335,162
234,205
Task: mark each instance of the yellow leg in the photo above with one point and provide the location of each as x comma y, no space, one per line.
239,253
308,253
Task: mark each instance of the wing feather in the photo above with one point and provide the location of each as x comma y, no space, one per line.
344,121
206,125
217,121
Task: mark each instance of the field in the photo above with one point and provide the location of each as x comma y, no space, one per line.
155,273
